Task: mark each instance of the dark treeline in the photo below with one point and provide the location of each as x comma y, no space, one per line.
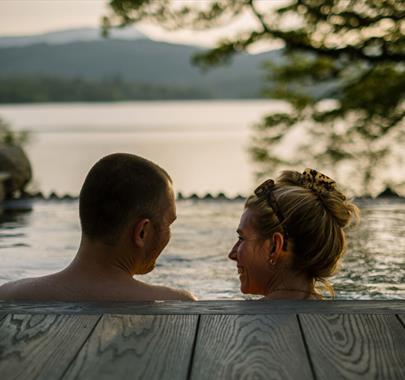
50,89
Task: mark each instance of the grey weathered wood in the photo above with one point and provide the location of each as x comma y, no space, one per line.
402,319
208,307
250,347
41,346
355,346
137,347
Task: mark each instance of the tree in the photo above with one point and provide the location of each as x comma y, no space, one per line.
10,137
348,51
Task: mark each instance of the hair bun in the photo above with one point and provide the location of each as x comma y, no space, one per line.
316,181
343,211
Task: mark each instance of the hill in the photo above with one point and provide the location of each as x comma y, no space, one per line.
141,61
70,35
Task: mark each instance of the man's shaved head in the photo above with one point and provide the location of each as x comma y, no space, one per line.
118,188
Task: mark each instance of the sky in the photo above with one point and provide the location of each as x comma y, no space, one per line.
27,17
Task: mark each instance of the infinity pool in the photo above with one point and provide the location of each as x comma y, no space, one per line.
45,240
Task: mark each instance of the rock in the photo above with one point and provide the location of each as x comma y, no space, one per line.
239,198
222,197
14,161
388,193
53,196
38,195
208,196
180,196
68,197
4,176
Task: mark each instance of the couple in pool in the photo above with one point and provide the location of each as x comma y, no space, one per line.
290,238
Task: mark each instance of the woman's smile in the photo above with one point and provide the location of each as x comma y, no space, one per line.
249,252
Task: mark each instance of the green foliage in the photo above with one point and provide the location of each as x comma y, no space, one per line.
139,62
353,49
49,89
9,137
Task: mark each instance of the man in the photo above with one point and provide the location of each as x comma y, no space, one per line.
126,208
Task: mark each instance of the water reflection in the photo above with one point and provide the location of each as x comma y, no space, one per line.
374,266
10,219
45,240
12,228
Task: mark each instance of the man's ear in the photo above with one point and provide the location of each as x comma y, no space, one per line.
141,231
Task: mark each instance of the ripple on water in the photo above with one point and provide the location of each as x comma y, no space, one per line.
46,239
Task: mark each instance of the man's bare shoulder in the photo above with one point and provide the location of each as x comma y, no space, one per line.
178,294
32,289
17,289
53,287
164,293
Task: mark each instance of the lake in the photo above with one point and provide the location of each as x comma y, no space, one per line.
203,145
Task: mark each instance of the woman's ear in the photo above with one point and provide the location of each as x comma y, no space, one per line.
141,231
277,244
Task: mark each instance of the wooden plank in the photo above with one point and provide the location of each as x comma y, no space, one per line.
209,307
355,346
250,347
137,347
41,346
402,319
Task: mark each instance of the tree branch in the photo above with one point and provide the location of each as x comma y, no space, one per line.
259,16
352,51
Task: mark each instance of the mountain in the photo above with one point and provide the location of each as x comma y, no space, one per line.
141,61
70,35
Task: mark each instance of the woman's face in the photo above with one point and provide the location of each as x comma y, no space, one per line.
251,254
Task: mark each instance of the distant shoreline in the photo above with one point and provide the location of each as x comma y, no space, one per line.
387,194
132,100
23,90
189,100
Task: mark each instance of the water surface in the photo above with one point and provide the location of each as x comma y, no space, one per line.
46,239
202,144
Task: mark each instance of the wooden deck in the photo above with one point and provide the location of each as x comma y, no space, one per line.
203,340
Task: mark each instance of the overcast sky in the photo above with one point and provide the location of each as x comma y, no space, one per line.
26,17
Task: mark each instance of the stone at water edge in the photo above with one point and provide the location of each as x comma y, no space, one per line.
4,176
388,193
14,161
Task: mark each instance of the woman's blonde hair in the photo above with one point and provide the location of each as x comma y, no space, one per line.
313,215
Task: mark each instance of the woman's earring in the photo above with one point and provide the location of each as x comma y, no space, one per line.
271,262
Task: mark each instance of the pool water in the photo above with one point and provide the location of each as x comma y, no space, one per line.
46,239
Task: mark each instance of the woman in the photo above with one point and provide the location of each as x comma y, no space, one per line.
291,236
